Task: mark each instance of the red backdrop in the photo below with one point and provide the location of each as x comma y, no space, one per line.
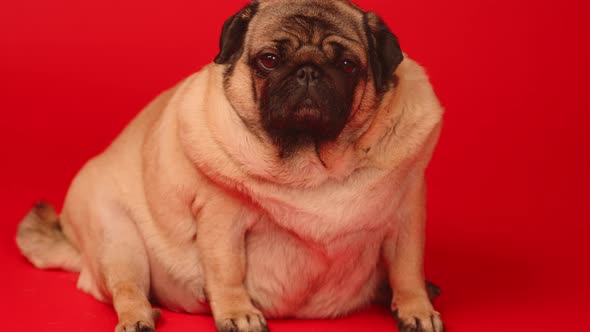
508,186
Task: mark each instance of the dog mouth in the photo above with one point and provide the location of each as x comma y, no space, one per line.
301,112
307,114
296,115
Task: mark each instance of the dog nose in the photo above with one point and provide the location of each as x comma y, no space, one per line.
308,75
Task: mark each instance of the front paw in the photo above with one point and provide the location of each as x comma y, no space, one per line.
135,326
417,315
138,321
241,321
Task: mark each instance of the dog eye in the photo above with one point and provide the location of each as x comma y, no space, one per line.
268,61
348,66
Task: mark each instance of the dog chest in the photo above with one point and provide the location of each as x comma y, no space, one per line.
367,202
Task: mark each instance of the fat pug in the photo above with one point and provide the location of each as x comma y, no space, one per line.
286,179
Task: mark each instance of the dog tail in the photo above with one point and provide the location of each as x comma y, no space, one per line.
41,240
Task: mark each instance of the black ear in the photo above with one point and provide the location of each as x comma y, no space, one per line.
233,33
385,53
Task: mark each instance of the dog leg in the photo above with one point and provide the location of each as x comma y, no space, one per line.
404,254
223,255
124,269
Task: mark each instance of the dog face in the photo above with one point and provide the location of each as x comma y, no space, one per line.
307,72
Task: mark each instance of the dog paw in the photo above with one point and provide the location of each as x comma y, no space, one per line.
245,321
139,323
417,316
139,326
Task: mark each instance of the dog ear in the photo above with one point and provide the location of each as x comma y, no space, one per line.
385,53
233,33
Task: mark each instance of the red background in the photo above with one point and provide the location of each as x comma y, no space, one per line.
508,186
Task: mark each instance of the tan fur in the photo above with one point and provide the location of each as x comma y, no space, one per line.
40,239
192,204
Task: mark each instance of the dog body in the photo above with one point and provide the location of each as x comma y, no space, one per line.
201,205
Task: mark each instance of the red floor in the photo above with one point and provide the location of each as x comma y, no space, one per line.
508,197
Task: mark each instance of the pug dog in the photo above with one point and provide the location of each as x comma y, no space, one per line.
286,179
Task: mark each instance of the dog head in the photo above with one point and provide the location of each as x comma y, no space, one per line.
306,72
